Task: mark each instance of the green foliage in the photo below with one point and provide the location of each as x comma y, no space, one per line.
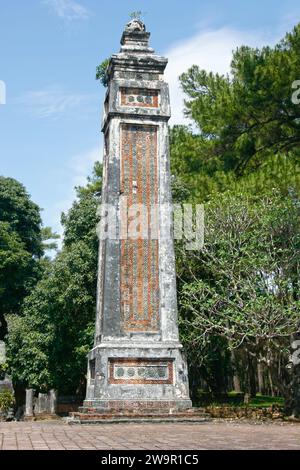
242,290
47,346
195,167
7,400
235,399
249,115
203,175
20,247
136,15
48,237
101,72
22,215
3,370
243,286
94,182
262,401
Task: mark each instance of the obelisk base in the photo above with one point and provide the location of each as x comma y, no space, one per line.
133,377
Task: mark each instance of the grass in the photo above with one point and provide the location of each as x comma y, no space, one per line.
237,399
263,401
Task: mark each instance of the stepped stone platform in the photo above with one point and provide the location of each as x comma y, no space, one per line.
95,416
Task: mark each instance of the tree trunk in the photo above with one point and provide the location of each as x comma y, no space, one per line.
236,379
3,327
260,377
251,369
271,383
293,400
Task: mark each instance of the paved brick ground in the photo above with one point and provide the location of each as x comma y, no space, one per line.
210,435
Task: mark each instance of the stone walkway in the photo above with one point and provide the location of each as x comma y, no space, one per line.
55,435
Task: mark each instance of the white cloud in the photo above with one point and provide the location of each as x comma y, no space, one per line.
68,10
53,102
53,213
77,169
81,165
212,51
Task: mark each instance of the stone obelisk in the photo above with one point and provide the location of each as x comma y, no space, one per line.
137,361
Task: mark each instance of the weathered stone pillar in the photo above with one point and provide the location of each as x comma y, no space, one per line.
137,361
2,353
53,402
29,403
292,393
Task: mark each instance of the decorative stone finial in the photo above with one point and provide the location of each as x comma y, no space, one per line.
135,37
135,25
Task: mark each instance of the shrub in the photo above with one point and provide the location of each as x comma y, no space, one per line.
7,400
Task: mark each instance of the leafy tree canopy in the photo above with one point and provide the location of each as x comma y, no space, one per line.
101,72
22,215
20,247
243,286
248,115
47,346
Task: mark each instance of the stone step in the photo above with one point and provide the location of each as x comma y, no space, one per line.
137,419
137,415
191,416
132,412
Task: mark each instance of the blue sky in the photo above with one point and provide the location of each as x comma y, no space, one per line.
49,49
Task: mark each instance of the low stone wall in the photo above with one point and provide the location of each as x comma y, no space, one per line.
49,405
246,412
68,404
6,384
43,406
